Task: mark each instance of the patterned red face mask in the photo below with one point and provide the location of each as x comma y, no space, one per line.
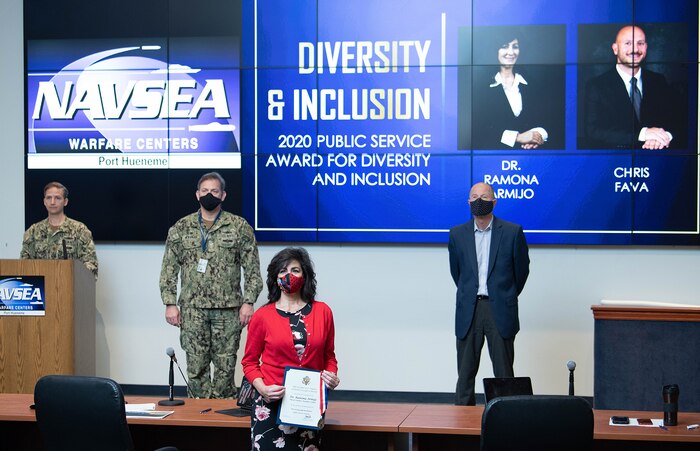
290,283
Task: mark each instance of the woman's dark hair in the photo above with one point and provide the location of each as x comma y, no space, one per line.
487,41
505,41
281,260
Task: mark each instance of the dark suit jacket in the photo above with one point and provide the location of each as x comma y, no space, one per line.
509,266
543,106
609,119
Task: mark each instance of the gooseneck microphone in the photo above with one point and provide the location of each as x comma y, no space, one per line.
171,381
571,365
171,353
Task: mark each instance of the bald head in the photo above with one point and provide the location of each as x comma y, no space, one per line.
483,190
630,47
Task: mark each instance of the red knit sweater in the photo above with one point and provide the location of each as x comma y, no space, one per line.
270,347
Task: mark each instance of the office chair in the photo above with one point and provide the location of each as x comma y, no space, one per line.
80,413
537,422
506,386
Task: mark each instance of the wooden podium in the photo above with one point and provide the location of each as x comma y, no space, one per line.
62,341
638,350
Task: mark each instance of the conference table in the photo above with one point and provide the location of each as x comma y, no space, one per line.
349,426
448,427
373,425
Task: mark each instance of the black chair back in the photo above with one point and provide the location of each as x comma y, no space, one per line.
538,422
506,386
77,413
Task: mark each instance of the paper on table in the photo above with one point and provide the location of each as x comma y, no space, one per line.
157,414
147,410
140,407
644,304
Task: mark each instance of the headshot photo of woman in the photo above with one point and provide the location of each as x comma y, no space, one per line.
292,330
515,106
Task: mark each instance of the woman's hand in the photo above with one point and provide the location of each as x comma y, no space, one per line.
270,393
530,139
330,379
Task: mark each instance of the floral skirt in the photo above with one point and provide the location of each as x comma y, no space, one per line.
266,435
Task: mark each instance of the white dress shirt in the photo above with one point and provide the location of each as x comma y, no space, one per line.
482,239
515,100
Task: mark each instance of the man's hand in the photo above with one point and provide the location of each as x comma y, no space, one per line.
656,134
652,144
245,313
172,315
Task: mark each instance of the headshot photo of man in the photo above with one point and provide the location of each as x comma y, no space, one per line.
627,105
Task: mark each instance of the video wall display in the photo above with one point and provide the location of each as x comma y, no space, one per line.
127,104
368,121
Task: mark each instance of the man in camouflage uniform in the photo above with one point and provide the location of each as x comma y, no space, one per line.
59,237
207,249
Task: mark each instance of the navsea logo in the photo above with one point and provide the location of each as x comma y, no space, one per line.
22,295
96,104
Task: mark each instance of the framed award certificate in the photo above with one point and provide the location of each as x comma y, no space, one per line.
304,401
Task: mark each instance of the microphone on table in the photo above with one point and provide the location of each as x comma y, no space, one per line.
171,381
171,353
571,365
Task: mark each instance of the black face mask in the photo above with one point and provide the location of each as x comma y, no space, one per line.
481,207
209,202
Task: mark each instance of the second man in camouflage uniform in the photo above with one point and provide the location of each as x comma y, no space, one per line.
207,249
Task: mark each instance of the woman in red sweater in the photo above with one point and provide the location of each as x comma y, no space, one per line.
292,329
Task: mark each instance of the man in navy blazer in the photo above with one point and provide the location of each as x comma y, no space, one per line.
489,262
611,120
